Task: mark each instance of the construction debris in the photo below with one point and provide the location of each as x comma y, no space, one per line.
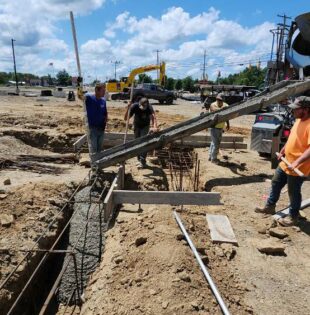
271,247
220,229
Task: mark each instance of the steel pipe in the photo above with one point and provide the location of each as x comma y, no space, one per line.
202,266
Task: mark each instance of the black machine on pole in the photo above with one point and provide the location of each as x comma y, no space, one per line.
16,80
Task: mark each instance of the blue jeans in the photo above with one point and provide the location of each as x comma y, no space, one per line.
96,139
216,138
294,183
140,132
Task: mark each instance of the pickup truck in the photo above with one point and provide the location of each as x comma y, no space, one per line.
155,92
149,90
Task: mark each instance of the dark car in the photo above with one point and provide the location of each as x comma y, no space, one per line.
155,92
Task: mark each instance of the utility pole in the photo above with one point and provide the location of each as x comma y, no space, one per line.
204,65
16,79
157,62
116,62
279,37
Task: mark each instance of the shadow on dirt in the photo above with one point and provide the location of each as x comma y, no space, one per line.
228,181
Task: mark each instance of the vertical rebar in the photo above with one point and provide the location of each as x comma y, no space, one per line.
198,174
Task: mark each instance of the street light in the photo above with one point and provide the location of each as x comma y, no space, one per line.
16,80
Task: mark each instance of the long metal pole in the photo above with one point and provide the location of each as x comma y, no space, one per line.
16,79
80,84
75,44
202,266
131,98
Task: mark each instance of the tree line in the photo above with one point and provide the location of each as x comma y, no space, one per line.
253,76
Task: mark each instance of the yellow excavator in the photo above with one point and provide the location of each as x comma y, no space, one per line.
114,86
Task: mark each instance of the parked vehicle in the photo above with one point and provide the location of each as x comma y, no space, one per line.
232,93
271,130
151,91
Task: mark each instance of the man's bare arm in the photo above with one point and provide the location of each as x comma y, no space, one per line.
304,157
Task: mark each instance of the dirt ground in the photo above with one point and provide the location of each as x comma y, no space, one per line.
160,276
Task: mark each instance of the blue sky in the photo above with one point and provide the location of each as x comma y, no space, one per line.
233,33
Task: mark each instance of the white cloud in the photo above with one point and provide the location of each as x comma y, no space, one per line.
180,37
32,24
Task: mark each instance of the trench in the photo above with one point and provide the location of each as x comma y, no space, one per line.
84,238
64,275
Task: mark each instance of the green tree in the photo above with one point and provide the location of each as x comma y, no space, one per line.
63,78
169,84
249,76
144,78
188,84
178,85
4,77
50,80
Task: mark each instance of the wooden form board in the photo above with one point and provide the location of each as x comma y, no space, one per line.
198,140
118,183
220,229
285,212
166,197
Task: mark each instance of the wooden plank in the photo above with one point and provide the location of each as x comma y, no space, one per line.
77,144
196,137
196,141
121,177
285,212
200,144
108,202
220,229
153,141
166,197
185,144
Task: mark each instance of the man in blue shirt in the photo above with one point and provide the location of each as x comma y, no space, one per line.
97,116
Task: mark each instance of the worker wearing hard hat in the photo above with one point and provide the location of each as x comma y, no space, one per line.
217,131
296,164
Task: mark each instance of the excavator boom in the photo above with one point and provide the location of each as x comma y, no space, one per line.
134,72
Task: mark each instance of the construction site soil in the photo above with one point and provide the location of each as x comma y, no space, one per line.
146,266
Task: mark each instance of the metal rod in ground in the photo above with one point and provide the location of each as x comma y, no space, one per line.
198,175
202,266
195,172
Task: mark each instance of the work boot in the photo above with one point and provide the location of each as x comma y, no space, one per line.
288,221
267,209
215,161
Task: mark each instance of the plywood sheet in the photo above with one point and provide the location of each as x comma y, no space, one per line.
220,229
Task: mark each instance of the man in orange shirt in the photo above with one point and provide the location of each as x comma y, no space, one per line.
297,152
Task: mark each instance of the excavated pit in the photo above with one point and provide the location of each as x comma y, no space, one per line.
58,142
